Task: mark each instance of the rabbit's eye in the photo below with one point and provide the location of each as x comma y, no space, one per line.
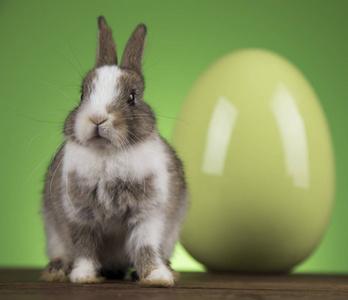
131,99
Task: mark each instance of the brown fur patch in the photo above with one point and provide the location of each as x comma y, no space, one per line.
128,199
133,53
136,122
58,277
106,50
87,84
79,193
129,193
56,270
69,125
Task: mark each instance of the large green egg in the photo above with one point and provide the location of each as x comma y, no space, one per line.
259,163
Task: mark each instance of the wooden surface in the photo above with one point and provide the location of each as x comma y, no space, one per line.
25,284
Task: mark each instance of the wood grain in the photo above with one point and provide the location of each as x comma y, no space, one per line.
25,284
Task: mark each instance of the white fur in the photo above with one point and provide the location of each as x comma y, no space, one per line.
83,268
161,273
96,168
88,163
105,91
148,233
105,88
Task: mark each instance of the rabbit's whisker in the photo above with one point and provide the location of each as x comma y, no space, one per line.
36,136
59,90
78,61
41,121
41,164
50,111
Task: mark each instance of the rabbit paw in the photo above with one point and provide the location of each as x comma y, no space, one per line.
57,270
85,272
159,277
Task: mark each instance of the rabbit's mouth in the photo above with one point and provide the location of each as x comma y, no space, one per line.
99,140
99,136
103,138
100,132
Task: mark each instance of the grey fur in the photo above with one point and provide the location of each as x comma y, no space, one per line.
96,232
133,54
106,51
145,261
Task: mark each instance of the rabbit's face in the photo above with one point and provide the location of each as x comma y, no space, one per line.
112,112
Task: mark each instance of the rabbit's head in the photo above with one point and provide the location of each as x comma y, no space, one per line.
112,112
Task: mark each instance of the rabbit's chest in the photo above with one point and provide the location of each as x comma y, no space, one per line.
134,165
102,188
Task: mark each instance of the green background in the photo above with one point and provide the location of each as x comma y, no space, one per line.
47,46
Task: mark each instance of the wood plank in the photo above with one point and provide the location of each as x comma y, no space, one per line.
25,284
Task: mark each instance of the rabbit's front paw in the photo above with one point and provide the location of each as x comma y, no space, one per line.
57,270
159,277
84,271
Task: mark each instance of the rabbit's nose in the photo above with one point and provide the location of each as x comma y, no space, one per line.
98,120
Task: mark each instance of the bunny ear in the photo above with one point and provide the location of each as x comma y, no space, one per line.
133,54
106,51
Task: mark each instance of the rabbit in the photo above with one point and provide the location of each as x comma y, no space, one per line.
115,194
